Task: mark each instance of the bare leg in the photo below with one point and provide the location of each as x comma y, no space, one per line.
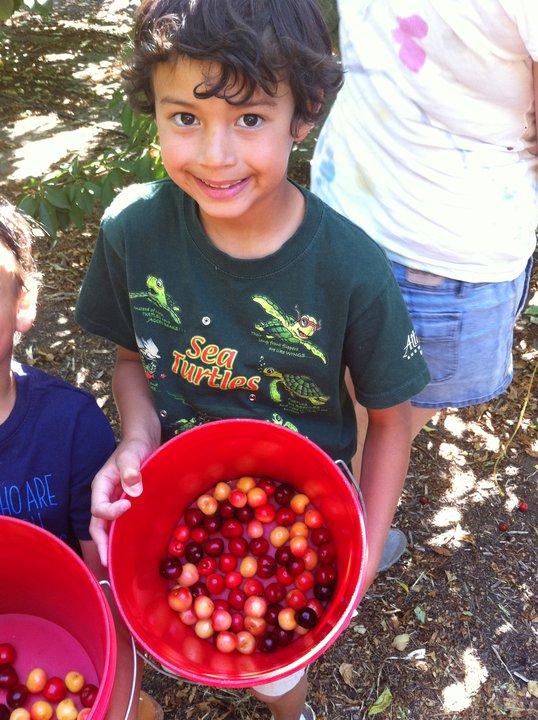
288,706
419,418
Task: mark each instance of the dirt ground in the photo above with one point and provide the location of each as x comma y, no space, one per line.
461,601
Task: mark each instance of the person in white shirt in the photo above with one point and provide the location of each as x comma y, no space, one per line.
431,148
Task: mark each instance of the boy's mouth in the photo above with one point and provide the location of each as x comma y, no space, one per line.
221,189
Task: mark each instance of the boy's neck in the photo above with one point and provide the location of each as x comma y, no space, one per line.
264,231
8,395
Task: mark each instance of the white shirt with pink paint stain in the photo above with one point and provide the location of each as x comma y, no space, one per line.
427,145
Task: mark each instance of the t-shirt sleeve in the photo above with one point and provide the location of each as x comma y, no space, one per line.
93,443
524,13
103,306
382,350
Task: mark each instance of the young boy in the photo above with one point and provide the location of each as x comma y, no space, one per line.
229,290
53,437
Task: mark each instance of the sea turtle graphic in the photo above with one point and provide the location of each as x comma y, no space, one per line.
300,386
295,330
157,294
279,420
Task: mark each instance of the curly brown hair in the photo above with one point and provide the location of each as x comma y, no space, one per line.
16,235
255,43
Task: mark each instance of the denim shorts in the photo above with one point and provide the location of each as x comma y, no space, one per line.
466,331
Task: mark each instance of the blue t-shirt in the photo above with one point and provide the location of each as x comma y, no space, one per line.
51,446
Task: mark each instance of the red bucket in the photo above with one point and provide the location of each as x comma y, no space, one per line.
174,476
53,611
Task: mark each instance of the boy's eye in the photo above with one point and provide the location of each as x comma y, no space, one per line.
250,120
185,119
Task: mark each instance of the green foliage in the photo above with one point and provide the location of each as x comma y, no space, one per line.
69,194
8,7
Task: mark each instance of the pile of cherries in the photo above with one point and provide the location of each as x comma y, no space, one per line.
52,690
251,565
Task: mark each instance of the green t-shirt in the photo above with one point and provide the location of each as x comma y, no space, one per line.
268,338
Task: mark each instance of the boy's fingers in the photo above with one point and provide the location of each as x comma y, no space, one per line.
128,464
98,531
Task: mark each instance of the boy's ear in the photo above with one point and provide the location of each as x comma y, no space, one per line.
301,131
26,309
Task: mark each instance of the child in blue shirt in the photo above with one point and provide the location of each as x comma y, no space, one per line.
53,436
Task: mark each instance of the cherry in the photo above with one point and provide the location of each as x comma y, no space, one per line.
285,516
267,643
194,553
8,677
231,529
55,689
221,604
283,637
199,534
423,500
316,606
323,592
275,592
222,491
255,625
258,546
299,545
320,535
182,533
179,599
296,599
238,498
326,552
198,589
313,518
226,641
248,567
503,527
233,579
246,643
304,581
214,547
283,555
265,513
266,567
271,616
299,528
523,506
279,536
306,617
255,529
215,584
176,548
193,517
169,569
244,514
7,654
207,504
256,497
16,696
88,695
238,546
36,680
325,575
268,486
226,510
246,483
283,576
237,598
206,566
4,712
284,493
203,607
295,566
227,562
238,622
212,523
253,586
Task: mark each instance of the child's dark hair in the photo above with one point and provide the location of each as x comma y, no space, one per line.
256,43
16,235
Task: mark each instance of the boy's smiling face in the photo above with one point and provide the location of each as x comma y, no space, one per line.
15,313
232,159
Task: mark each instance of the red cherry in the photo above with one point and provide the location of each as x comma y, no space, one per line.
305,581
226,510
316,606
423,500
233,579
256,497
253,586
238,498
267,643
176,548
16,696
326,553
198,589
306,618
221,604
275,592
268,486
55,690
5,713
215,584
238,622
169,569
295,566
265,513
320,536
284,493
214,547
266,567
7,654
283,576
226,642
503,526
283,637
296,599
212,523
325,575
231,529
258,546
199,534
193,517
244,514
283,555
238,546
227,562
182,533
323,592
237,599
206,566
88,695
285,516
523,506
271,616
194,552
313,518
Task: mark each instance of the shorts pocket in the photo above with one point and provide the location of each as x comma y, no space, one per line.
439,335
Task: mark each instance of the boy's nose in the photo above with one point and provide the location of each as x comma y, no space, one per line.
217,149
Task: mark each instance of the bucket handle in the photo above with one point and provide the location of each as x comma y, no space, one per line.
353,481
134,651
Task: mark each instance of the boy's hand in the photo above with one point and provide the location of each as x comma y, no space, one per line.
120,473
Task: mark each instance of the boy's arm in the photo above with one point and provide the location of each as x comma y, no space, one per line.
384,466
125,670
141,435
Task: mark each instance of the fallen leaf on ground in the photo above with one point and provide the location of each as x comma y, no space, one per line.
346,671
382,703
400,642
532,687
